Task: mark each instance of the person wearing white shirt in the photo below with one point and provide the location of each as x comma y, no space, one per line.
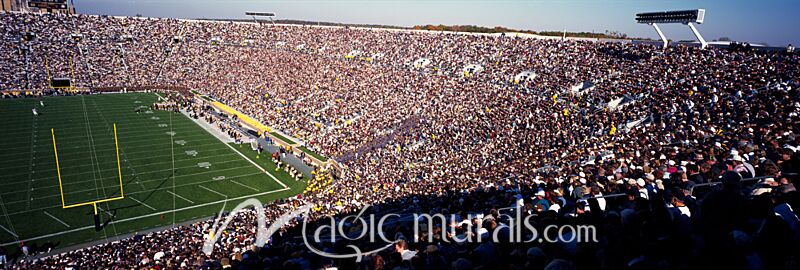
402,248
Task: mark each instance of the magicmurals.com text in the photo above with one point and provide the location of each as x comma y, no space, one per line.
514,228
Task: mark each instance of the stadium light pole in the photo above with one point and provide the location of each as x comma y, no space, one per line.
686,17
661,34
699,37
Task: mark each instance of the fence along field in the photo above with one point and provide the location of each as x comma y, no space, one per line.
172,169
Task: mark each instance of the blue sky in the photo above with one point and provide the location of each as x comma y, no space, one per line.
776,22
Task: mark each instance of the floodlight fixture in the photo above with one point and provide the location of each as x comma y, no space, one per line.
687,17
260,14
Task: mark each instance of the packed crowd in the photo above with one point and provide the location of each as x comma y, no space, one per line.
674,130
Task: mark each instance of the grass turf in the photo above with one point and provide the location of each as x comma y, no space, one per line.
302,148
282,138
166,177
313,154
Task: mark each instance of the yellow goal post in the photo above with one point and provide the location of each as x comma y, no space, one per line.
93,203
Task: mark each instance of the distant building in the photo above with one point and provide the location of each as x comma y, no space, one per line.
38,6
9,5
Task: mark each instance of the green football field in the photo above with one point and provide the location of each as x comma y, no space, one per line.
172,169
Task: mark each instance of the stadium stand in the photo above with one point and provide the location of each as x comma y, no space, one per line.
686,127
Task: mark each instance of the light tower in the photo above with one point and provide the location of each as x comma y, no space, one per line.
687,17
260,14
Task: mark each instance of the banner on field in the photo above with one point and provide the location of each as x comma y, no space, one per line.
242,117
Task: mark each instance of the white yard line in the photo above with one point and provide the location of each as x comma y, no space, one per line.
105,211
30,165
254,189
52,178
128,135
172,149
243,156
213,191
201,158
6,229
141,217
22,131
59,221
146,181
258,166
8,219
142,144
159,96
95,161
142,203
131,193
179,196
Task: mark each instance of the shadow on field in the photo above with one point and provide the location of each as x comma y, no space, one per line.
113,211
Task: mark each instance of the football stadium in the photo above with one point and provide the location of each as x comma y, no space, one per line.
71,155
257,142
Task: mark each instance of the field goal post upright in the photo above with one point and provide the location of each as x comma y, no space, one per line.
95,202
686,17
